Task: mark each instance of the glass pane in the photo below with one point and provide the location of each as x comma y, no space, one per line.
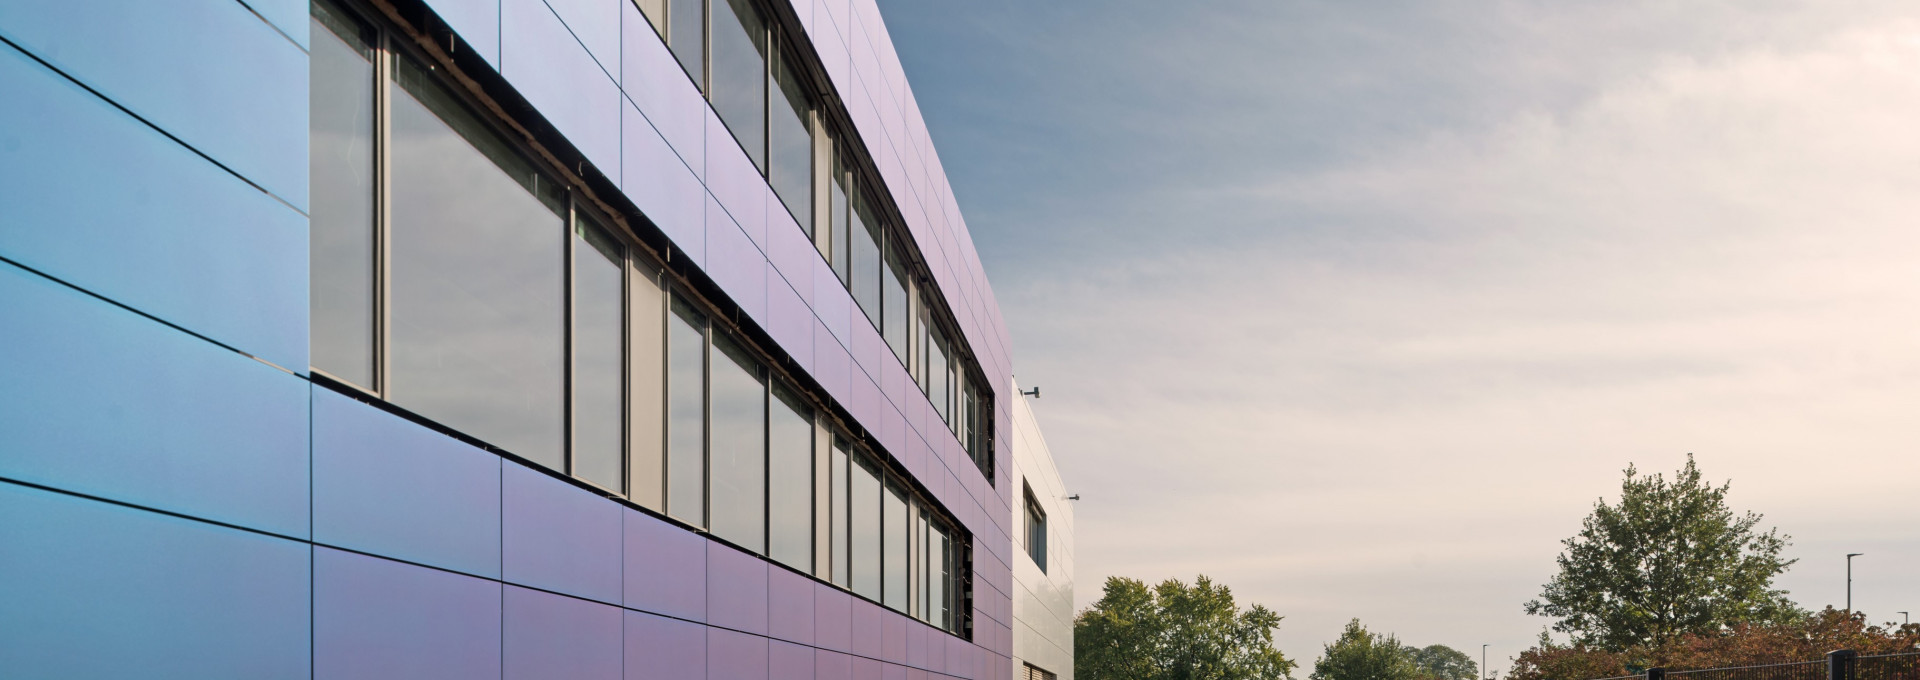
839,502
656,13
790,480
937,578
687,37
599,398
740,75
897,550
738,455
686,415
894,294
864,530
841,240
864,261
790,145
939,390
478,260
921,536
341,237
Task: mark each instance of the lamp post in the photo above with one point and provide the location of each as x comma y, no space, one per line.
1904,619
1850,557
1483,662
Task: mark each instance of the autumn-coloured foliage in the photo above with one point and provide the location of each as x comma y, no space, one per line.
1806,638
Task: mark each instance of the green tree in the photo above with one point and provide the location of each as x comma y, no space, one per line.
1175,631
1362,655
1443,663
1670,559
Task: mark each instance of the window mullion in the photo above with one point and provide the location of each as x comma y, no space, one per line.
383,215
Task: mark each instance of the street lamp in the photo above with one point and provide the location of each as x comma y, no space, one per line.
1483,662
1850,557
1904,619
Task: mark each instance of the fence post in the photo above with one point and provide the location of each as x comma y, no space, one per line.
1656,674
1840,664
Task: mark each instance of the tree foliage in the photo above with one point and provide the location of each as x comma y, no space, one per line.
1360,654
1440,662
1175,631
1670,559
1804,637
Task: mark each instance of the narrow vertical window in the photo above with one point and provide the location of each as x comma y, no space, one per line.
938,375
790,479
894,523
1036,537
737,453
937,577
839,542
923,567
864,529
687,414
341,162
599,346
656,13
893,294
864,261
841,240
478,260
687,37
740,75
790,142
647,391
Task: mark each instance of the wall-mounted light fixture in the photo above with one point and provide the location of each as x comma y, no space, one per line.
1035,392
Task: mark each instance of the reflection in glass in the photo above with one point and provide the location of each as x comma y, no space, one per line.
894,300
341,235
740,75
864,530
790,480
921,534
790,144
687,37
839,513
686,415
895,525
939,575
599,398
478,243
939,390
864,261
841,239
737,458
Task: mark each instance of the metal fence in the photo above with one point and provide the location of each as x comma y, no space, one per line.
1839,665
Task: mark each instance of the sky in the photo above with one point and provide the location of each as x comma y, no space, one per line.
1359,307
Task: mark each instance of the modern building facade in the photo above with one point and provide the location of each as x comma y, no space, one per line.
1043,608
494,339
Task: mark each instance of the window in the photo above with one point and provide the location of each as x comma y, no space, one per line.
898,534
840,514
840,238
686,34
739,86
863,512
342,230
939,374
687,414
893,296
737,455
599,351
863,251
790,479
1036,531
1032,672
790,142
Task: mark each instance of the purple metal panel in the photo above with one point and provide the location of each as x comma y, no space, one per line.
835,12
734,180
832,666
735,656
893,671
789,606
554,636
654,80
736,589
387,486
736,264
866,405
477,22
832,618
937,651
831,45
550,68
893,637
868,631
894,381
832,303
791,250
596,24
666,567
916,674
658,183
375,618
917,644
865,668
558,537
659,648
788,661
868,349
789,320
831,365
893,428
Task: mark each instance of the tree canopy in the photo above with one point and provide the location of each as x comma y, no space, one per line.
1669,559
1440,662
1360,654
1175,631
1804,637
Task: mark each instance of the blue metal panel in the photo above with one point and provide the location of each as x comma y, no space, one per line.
477,22
660,648
375,619
104,402
550,68
95,590
386,486
550,636
558,537
154,226
207,71
289,16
